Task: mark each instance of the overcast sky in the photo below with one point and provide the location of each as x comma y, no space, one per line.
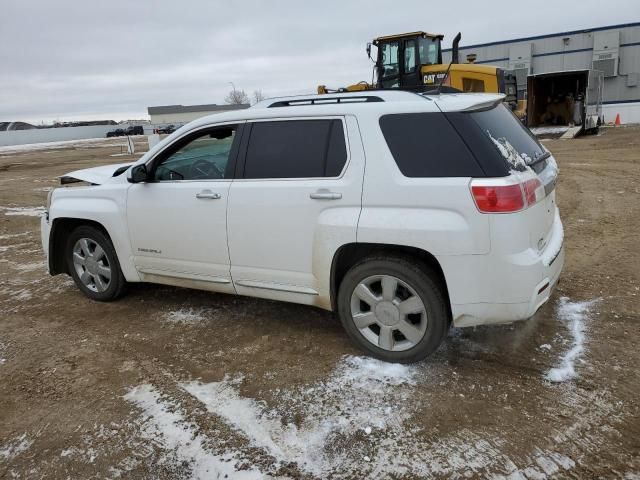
71,60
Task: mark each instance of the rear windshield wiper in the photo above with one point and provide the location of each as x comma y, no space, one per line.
540,158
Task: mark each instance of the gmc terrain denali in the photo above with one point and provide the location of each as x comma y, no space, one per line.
401,212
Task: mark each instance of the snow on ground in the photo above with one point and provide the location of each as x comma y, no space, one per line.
186,316
574,315
30,267
15,447
24,211
166,426
13,235
358,423
362,395
85,143
549,130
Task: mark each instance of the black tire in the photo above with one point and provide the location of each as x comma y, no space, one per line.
425,284
116,284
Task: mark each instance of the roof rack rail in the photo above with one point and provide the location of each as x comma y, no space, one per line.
326,100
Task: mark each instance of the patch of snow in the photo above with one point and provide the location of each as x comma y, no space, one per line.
166,426
545,346
549,130
573,315
13,235
43,189
15,447
83,143
186,316
29,267
361,391
357,423
25,211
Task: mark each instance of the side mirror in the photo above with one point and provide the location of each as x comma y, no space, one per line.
138,174
369,51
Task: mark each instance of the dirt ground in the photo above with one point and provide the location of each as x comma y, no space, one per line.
174,383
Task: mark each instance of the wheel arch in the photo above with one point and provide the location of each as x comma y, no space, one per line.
61,228
350,254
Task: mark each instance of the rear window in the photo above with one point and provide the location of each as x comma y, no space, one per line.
296,149
426,145
512,139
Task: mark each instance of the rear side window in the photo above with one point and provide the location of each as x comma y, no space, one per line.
426,145
295,149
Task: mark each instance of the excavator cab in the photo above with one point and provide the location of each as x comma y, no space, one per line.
400,58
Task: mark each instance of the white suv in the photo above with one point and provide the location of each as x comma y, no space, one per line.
402,212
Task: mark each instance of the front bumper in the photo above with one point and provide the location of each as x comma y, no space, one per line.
45,232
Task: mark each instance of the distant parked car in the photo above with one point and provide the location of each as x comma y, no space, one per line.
134,130
118,132
168,129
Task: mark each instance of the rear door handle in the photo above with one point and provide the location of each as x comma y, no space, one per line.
324,194
208,194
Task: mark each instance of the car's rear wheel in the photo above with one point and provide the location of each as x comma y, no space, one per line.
93,264
393,308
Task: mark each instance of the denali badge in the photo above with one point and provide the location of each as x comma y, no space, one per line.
150,250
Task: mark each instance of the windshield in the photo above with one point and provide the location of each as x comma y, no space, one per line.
514,141
429,51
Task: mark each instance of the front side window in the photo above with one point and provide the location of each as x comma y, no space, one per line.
296,149
389,64
200,157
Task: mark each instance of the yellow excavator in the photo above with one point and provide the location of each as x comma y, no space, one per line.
413,61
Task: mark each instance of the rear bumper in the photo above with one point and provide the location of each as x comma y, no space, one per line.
533,275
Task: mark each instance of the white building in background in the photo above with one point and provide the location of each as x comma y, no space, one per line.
612,49
181,114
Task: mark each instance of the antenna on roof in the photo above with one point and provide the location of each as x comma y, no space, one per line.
454,59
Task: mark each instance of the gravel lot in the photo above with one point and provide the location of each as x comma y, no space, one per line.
174,383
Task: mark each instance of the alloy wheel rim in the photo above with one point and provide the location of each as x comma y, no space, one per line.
388,313
92,265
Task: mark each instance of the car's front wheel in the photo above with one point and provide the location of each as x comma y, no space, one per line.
393,308
93,264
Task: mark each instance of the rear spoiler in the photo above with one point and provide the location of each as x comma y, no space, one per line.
485,105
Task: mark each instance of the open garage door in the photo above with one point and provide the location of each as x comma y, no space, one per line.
564,100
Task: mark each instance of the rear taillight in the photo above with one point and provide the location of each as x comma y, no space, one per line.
533,191
498,199
506,195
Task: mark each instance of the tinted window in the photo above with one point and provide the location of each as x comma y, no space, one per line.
506,131
426,145
295,149
200,157
337,151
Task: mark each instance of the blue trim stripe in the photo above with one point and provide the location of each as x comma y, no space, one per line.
550,35
614,102
578,50
494,60
561,52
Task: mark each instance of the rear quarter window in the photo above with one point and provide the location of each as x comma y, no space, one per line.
426,145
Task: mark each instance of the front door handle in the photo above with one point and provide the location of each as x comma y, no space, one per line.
208,194
324,194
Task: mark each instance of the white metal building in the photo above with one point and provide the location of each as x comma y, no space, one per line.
613,49
181,114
